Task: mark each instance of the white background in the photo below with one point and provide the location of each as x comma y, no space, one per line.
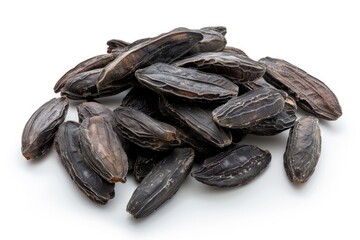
41,40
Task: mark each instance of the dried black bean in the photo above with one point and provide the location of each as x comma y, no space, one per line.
145,131
250,108
197,121
163,48
88,181
186,83
90,109
39,131
161,183
277,124
303,149
213,41
96,62
102,149
143,100
311,94
83,86
236,166
238,68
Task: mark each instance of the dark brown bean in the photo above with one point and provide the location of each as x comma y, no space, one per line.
161,183
83,86
102,149
238,68
90,109
166,47
39,131
311,94
213,41
277,124
146,160
96,62
186,83
197,121
236,166
88,181
303,149
143,100
249,109
145,131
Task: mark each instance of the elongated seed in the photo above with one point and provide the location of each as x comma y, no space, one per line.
90,109
39,131
186,83
161,183
102,149
238,68
303,149
96,62
236,166
163,48
145,131
83,86
198,121
88,181
311,94
250,108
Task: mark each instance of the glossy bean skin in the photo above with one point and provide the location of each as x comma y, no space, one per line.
197,121
39,131
236,166
249,109
166,48
102,149
161,183
90,109
238,68
311,94
145,131
277,124
67,146
303,149
82,86
92,63
185,83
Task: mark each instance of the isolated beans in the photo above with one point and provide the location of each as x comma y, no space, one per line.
188,103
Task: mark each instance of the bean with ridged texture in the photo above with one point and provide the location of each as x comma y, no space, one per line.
166,47
67,146
238,68
186,83
39,131
145,131
90,109
83,86
311,94
213,41
236,166
161,183
102,149
277,124
96,62
303,149
197,121
250,108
